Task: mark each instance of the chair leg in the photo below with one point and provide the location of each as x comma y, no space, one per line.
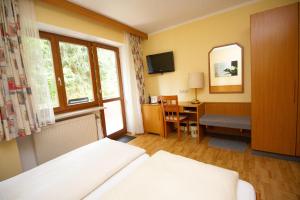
166,130
178,131
188,126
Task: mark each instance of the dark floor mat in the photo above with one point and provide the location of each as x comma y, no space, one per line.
125,138
233,145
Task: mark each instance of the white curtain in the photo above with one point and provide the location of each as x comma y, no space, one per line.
131,92
21,111
35,72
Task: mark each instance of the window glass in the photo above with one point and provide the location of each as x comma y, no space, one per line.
47,62
108,73
113,116
77,73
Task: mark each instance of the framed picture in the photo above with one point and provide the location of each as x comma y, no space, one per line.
226,69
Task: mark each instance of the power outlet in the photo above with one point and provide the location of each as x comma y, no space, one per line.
183,91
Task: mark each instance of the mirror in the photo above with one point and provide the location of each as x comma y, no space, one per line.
226,69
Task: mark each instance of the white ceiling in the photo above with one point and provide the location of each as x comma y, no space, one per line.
154,15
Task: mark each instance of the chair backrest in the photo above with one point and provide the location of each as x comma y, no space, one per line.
170,107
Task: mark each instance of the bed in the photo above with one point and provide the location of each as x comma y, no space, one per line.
245,190
90,177
72,175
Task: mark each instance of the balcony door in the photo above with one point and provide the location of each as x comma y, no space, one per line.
109,82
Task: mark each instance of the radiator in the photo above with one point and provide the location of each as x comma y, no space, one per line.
64,136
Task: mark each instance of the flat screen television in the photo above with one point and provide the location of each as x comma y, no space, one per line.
160,63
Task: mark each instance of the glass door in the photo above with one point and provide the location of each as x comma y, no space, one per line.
110,90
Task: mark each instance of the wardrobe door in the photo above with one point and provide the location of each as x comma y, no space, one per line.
274,60
298,128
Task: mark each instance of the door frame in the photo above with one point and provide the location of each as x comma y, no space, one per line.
99,89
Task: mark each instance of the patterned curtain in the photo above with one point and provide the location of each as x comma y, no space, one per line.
17,113
136,50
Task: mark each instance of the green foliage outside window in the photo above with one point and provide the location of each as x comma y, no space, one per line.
108,73
77,71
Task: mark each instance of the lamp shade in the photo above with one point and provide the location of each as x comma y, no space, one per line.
196,80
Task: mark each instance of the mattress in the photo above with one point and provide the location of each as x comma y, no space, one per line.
245,190
77,172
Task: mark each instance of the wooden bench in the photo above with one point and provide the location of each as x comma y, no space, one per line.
227,118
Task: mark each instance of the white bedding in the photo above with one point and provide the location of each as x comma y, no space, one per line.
169,176
245,190
72,175
75,175
117,178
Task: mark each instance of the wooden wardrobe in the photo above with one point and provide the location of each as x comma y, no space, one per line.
275,80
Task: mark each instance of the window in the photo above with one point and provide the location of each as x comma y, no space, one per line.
83,74
71,75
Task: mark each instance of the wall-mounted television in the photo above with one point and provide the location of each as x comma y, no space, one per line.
160,63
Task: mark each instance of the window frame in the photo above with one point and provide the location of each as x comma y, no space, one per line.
120,98
59,76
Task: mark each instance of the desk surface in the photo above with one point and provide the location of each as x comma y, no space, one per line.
181,103
189,104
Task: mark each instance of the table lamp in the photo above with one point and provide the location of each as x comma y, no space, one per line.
196,80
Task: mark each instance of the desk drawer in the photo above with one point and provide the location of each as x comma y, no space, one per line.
153,119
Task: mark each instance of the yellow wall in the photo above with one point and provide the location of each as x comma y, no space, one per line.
10,164
191,44
59,17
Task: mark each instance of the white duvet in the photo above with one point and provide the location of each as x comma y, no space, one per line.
73,175
168,176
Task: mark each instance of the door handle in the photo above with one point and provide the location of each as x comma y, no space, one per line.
59,81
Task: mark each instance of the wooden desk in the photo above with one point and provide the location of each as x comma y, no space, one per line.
153,116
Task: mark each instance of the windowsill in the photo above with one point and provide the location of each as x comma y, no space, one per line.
77,113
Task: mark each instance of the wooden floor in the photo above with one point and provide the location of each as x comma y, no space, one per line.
273,179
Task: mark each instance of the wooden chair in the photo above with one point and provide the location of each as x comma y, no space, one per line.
170,110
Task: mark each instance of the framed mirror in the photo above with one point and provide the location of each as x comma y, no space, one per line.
226,69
